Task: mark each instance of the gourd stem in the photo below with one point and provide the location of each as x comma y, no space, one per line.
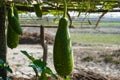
65,8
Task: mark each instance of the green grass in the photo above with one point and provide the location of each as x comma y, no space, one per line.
113,39
107,24
108,58
104,24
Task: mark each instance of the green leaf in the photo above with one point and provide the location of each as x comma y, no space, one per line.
1,65
1,61
43,76
26,54
40,69
6,66
39,63
49,71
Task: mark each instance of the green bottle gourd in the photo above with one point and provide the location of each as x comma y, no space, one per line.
14,20
38,10
12,38
62,50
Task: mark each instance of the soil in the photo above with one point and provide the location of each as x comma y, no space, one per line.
34,38
83,75
83,70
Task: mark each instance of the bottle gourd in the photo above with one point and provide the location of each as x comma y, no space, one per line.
38,10
14,29
12,38
13,20
62,50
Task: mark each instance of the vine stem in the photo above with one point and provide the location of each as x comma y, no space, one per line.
65,8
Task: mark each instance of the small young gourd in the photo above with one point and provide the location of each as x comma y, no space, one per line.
38,10
12,38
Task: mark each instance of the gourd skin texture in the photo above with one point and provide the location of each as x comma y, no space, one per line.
13,20
12,38
10,13
62,51
38,10
15,25
16,12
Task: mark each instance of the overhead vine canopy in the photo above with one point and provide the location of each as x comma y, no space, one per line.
76,5
55,6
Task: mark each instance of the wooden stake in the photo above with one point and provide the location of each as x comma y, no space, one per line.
43,43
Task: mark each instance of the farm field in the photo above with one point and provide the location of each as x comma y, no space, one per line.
96,51
97,62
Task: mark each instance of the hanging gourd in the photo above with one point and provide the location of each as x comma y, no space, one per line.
14,29
12,38
13,19
38,9
62,50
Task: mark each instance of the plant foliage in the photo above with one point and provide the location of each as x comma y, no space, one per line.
39,66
